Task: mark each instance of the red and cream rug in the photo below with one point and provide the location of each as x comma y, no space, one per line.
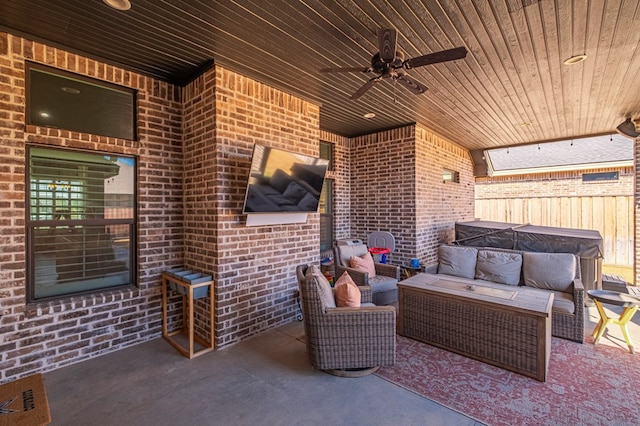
587,385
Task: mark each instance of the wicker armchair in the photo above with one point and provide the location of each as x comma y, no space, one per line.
384,285
346,341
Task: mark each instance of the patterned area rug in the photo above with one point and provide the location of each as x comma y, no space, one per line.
587,385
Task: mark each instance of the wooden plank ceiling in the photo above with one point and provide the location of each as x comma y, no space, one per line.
512,87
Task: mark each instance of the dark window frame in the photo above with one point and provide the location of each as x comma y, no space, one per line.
331,148
81,79
76,218
326,218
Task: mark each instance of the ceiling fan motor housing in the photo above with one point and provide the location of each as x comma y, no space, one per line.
379,65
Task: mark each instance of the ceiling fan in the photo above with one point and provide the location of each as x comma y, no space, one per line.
390,63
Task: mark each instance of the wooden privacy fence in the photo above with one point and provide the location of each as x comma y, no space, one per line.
611,215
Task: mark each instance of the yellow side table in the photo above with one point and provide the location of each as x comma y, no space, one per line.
191,289
630,305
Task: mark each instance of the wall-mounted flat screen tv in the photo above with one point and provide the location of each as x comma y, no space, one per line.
283,181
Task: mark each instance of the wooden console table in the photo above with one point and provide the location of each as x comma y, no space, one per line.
509,327
190,291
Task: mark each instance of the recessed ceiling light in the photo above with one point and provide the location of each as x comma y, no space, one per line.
70,90
44,114
369,115
118,4
575,59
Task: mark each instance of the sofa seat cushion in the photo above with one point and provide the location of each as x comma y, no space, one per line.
563,302
549,271
499,267
382,283
457,261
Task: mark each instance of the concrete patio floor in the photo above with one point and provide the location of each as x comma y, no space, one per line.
264,380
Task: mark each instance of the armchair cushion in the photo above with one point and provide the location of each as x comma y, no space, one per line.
344,253
363,263
346,292
550,271
324,287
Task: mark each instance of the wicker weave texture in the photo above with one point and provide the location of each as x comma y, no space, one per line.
500,337
380,297
346,338
564,325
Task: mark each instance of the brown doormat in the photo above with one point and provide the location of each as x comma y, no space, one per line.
24,402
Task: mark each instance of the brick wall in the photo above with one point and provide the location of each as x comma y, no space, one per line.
194,152
636,214
556,184
397,186
253,267
438,204
44,336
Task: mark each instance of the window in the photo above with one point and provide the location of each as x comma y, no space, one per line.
450,176
64,100
326,216
599,177
80,222
326,152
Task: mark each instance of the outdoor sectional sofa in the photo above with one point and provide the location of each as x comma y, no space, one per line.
555,272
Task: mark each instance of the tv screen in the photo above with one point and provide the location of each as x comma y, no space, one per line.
283,181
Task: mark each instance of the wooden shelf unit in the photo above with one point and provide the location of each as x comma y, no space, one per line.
187,317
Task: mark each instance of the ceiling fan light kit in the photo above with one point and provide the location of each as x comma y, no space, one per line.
390,63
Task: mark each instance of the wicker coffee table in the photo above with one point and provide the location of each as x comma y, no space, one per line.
509,327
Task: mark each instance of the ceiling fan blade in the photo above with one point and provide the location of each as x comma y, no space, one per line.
387,39
365,87
411,84
434,58
346,69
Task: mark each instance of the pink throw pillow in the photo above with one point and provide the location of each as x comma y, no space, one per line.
363,263
346,292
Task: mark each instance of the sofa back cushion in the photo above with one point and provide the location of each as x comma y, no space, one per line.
550,271
457,261
499,267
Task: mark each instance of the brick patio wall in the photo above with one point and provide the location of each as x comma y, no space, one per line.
48,335
253,266
397,186
194,153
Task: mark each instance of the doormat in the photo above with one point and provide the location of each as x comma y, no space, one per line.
24,402
587,385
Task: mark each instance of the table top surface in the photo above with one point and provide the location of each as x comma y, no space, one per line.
517,298
614,297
